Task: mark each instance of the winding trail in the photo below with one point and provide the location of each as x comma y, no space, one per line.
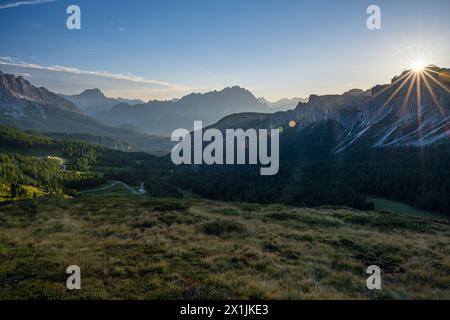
116,183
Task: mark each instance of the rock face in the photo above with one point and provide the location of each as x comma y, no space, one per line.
331,107
414,110
19,99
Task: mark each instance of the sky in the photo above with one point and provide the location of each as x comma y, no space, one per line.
164,49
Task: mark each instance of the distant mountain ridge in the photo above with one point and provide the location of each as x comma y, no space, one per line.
92,101
383,116
162,117
27,107
283,104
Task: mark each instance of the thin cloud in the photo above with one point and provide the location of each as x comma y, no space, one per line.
23,74
105,74
24,3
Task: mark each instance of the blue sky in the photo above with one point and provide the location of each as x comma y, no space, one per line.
161,49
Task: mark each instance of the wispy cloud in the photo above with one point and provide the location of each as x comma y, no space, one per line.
24,3
23,74
72,80
105,74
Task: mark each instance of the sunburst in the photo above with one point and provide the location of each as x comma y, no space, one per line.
418,79
418,66
419,76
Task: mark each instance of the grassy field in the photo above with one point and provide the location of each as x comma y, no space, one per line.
144,248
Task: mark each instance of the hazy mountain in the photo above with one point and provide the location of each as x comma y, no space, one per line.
162,117
93,101
384,116
27,107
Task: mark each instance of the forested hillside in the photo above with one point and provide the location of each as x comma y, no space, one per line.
309,177
415,176
33,165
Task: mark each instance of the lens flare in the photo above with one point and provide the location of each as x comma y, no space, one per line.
418,66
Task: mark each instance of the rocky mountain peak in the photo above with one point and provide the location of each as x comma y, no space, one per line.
16,93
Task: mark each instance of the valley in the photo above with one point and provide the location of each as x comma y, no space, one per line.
74,190
224,159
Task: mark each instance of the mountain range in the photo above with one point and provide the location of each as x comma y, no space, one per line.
413,111
28,107
162,117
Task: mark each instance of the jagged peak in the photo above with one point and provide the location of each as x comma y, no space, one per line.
233,92
17,88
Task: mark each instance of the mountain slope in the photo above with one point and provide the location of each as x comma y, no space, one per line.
414,110
18,98
27,107
385,116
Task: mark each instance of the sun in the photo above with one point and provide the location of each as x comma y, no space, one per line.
418,66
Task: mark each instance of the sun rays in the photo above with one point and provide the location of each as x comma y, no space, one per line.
417,78
418,66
